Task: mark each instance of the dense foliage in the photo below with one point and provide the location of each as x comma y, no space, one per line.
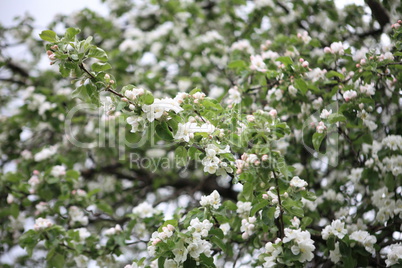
204,134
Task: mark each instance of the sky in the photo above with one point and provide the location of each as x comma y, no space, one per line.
44,10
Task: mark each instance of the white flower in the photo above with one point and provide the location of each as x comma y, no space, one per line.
242,45
257,63
134,93
145,210
159,107
368,89
58,171
41,223
113,231
303,244
394,254
321,127
77,215
45,153
335,255
214,200
247,227
243,208
81,261
337,48
83,233
234,95
350,94
297,182
180,253
325,113
225,227
135,122
200,229
41,207
393,142
292,90
295,222
10,198
365,239
336,228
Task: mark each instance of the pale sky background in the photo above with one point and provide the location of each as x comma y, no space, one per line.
44,10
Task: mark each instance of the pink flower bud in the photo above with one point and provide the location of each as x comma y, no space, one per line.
250,118
48,52
55,47
301,60
107,77
156,241
124,99
305,64
327,50
265,196
264,157
36,172
111,82
358,66
245,236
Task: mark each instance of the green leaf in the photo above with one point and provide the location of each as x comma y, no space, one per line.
163,132
293,207
248,189
309,195
331,74
48,35
333,118
285,60
56,261
237,64
97,53
283,168
74,174
147,98
257,207
331,242
301,85
207,261
181,156
317,140
28,241
390,181
105,207
71,33
127,87
195,90
230,205
100,66
344,248
120,105
161,262
217,233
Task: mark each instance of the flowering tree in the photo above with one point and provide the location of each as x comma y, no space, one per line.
210,134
